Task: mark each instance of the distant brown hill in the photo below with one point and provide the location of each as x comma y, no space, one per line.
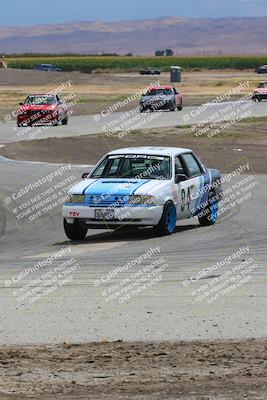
183,35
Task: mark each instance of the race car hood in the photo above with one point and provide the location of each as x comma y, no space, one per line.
123,187
159,98
39,107
261,90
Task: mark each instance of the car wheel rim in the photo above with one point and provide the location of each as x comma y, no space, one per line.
214,210
171,219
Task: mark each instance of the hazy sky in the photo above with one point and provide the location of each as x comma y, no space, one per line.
29,12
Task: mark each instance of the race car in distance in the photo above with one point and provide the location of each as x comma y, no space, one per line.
42,109
262,69
143,187
161,98
149,71
47,67
260,93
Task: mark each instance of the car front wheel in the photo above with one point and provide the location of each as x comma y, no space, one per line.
167,223
257,99
65,121
74,231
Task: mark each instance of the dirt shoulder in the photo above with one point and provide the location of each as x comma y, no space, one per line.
183,370
248,142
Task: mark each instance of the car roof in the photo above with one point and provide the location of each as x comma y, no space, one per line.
161,87
42,94
155,150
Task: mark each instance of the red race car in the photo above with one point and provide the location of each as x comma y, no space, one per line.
42,109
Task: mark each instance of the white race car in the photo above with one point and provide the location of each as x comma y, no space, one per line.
143,186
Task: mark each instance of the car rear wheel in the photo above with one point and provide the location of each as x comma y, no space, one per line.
172,108
167,223
180,107
210,213
74,231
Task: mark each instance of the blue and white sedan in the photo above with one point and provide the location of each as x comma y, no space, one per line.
143,186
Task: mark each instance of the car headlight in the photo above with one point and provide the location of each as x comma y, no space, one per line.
77,198
144,200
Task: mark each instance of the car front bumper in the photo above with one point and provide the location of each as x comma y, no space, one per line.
36,118
157,106
135,216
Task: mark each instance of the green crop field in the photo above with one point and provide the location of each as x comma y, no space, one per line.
128,63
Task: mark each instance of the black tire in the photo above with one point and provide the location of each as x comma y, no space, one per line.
256,99
74,231
65,121
172,108
162,229
207,215
179,108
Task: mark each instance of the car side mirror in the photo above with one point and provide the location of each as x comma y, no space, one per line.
180,178
21,104
85,175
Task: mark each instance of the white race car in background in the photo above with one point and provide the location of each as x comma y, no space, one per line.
143,186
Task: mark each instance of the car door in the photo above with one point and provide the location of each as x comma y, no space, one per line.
193,192
199,184
183,190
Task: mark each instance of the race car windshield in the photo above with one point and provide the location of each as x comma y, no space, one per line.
134,166
40,100
156,92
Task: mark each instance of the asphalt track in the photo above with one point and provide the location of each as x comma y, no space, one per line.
77,311
95,124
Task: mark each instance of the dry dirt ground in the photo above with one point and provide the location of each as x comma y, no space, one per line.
245,140
221,370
